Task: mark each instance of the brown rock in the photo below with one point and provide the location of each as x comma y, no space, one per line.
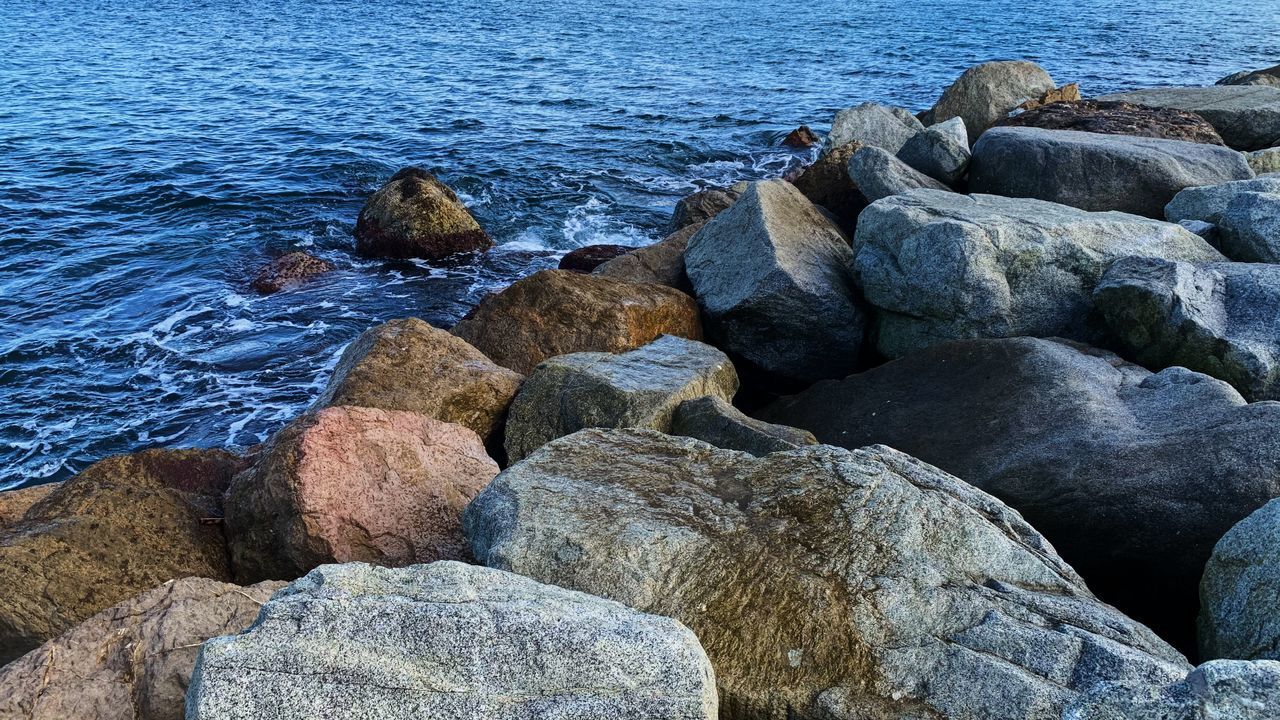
827,183
348,484
1067,93
661,263
289,270
124,525
586,259
416,216
702,206
15,503
802,137
410,365
556,312
132,661
1117,118
1267,76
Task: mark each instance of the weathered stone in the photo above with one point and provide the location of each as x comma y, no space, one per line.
827,184
661,263
941,151
701,207
1266,76
773,277
801,138
941,266
1247,117
987,92
873,124
449,640
1218,690
714,420
586,259
1132,476
556,312
416,216
879,175
1097,172
1067,93
1117,118
1264,162
1247,215
15,503
132,661
1239,616
823,583
1209,202
354,484
289,270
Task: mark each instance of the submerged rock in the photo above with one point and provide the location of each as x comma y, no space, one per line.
940,151
1247,117
289,270
661,263
873,124
1216,690
1239,616
587,259
1117,118
714,420
987,92
880,175
416,216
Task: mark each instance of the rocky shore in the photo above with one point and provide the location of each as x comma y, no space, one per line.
971,419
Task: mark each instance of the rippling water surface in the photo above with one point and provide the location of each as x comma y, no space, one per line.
154,154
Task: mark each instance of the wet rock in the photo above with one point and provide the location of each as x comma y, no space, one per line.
661,263
1067,93
941,151
416,216
879,175
873,124
826,183
1267,76
1218,689
1264,162
987,92
449,640
714,420
702,206
15,503
354,484
557,312
823,583
587,259
1239,617
802,137
289,270
1117,118
1247,117
1247,215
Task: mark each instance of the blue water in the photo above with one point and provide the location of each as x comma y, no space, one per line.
154,154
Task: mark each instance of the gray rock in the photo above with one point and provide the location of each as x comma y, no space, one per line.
701,206
1093,171
1208,231
1218,690
661,263
941,151
941,266
773,277
1264,161
1239,616
1246,116
879,174
1221,319
714,420
640,388
449,640
1249,229
873,124
1132,476
987,92
1266,76
823,583
1208,202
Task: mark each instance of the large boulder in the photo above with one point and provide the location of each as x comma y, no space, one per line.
1132,476
940,151
823,583
132,661
880,175
1117,118
556,312
449,640
940,266
773,276
354,484
1208,203
123,525
1266,76
703,205
661,263
416,216
1218,690
874,125
714,420
1097,172
827,184
987,92
1246,213
15,503
587,259
288,271
410,365
1239,613
1246,116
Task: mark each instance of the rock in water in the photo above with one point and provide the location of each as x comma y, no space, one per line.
1239,616
410,365
1220,689
1117,118
773,276
354,484
449,640
823,583
587,259
1247,117
416,216
941,266
879,175
941,151
132,661
800,138
714,420
1097,172
875,125
987,92
702,206
1132,476
827,183
289,270
1247,215
556,312
661,263
640,388
1266,76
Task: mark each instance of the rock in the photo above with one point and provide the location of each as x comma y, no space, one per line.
1264,162
1067,93
1247,117
640,388
941,151
1221,319
449,640
1239,618
1268,76
557,312
773,277
124,525
1208,231
1097,172
410,365
1216,690
941,266
1208,203
987,92
661,263
873,124
132,661
1247,214
289,270
823,583
879,175
826,183
416,216
701,207
15,503
587,259
1132,476
1117,118
802,137
714,420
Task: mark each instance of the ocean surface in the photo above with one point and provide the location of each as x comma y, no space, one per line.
153,155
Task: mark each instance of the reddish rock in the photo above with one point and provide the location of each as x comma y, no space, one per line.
15,503
661,263
416,216
586,259
827,183
287,271
802,137
1117,118
1067,93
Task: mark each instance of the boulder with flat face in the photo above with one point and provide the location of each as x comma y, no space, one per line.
1239,616
701,206
661,263
1246,214
827,184
873,124
940,151
715,420
879,175
416,216
1219,689
1246,116
987,92
1117,118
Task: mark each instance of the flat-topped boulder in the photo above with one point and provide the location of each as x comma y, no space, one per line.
1219,689
1117,118
873,124
661,263
1246,116
987,92
416,216
715,420
1239,616
878,175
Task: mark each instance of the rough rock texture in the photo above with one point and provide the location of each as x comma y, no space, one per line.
354,484
1132,476
1267,76
640,388
773,277
15,503
987,92
1247,117
1221,319
1097,172
1247,214
587,259
449,640
878,175
289,270
123,525
416,216
1218,690
132,661
702,206
823,583
410,365
873,124
1117,118
941,266
1067,93
714,420
940,151
1209,202
661,263
827,183
802,137
556,312
1239,615
1264,161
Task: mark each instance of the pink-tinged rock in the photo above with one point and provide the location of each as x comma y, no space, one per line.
351,484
